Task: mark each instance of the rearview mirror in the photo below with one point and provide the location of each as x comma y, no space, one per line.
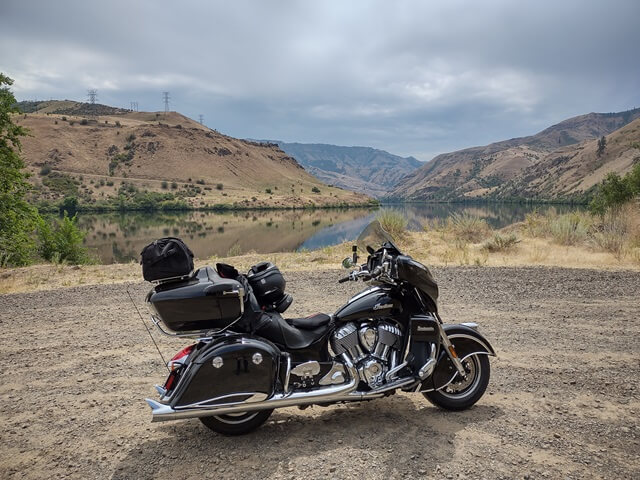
347,263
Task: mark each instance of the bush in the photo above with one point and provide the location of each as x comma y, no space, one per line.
61,241
570,228
468,227
315,190
393,222
200,182
219,186
118,123
130,138
164,185
45,170
64,119
84,121
499,243
615,190
268,190
174,185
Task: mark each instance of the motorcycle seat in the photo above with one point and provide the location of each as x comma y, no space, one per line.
311,322
275,328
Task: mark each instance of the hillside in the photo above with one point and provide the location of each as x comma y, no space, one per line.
361,169
521,167
130,153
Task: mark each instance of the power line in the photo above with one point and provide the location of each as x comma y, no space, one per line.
165,97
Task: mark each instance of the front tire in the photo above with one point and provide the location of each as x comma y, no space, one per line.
462,393
236,423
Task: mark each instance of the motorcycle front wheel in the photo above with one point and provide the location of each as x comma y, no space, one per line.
236,423
462,393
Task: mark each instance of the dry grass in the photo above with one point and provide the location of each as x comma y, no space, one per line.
393,222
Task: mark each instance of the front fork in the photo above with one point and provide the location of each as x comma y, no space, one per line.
451,351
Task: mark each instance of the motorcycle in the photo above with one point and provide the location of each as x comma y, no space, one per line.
247,360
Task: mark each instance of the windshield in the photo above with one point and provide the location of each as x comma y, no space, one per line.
374,236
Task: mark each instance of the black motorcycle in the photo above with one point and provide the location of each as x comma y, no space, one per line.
248,359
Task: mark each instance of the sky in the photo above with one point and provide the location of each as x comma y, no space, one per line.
410,77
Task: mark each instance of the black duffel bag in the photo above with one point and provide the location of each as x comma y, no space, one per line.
166,258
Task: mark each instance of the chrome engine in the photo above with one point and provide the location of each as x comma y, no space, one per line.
372,346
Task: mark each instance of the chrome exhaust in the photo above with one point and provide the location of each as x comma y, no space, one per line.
161,412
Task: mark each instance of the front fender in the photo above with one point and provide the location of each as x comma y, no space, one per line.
467,341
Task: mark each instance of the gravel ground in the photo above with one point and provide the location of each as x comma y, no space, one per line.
563,401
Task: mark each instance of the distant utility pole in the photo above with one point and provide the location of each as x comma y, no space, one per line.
92,95
201,119
165,97
134,106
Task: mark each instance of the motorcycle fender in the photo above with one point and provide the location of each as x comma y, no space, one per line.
467,341
233,369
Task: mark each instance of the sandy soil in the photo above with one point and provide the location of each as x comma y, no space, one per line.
563,401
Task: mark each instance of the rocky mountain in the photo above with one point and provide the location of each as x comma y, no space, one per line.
558,162
361,169
98,156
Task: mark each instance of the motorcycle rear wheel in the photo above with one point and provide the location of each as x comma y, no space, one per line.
236,423
464,393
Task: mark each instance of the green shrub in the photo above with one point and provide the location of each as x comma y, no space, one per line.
315,190
570,228
393,222
268,190
200,182
64,119
615,190
219,186
467,227
174,185
499,243
61,241
45,170
84,121
164,185
130,138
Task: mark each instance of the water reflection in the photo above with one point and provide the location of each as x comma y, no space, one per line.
120,237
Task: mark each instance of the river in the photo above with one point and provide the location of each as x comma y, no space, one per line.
119,237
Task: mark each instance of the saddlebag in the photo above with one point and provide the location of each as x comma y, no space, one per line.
203,301
166,259
234,369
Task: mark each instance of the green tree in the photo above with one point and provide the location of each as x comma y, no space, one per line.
615,190
17,218
602,144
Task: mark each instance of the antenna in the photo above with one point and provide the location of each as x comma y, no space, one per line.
165,97
201,119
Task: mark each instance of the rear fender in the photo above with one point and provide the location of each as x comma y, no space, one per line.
467,342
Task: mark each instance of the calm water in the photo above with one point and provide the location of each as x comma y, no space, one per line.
121,237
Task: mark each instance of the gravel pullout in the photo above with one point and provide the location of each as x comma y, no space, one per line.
563,401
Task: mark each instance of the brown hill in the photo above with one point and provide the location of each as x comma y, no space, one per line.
508,169
96,157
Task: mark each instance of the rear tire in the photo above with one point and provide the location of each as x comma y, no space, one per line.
463,393
237,423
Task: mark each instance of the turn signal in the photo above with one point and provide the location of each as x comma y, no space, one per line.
453,351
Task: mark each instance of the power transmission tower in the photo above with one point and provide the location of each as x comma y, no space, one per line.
201,119
134,106
165,97
92,96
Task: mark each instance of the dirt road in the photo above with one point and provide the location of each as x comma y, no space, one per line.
563,401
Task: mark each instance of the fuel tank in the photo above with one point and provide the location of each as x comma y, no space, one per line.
373,302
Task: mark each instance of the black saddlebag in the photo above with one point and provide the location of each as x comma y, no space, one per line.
203,301
239,368
165,259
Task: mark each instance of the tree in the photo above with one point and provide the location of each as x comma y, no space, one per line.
602,143
17,218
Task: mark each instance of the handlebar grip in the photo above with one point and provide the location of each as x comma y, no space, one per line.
342,280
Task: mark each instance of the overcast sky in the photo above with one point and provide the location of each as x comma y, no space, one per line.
411,77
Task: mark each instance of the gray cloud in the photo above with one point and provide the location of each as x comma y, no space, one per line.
411,77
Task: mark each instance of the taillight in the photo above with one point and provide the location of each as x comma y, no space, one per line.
178,359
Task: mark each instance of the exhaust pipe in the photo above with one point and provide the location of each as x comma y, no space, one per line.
161,412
